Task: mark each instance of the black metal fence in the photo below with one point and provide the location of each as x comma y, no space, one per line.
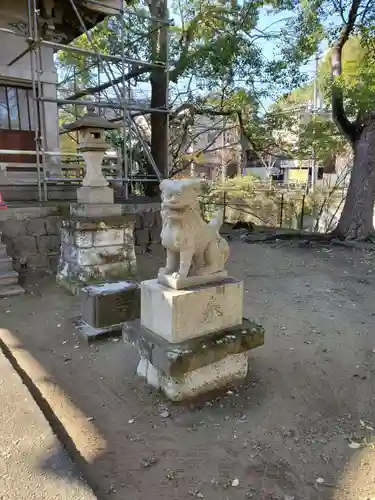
282,210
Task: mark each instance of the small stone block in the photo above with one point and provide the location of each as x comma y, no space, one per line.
177,359
190,281
178,315
227,372
109,304
95,195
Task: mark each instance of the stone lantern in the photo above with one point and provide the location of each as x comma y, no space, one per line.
97,242
91,130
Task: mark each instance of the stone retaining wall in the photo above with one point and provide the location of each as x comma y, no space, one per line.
32,233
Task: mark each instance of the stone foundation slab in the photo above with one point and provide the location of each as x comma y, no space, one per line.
216,376
177,360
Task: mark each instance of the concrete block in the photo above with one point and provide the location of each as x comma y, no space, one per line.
68,252
138,221
178,315
158,221
220,375
83,239
35,227
9,246
24,246
101,255
53,225
48,244
148,219
156,229
38,261
106,272
142,237
108,237
66,236
53,262
109,304
177,359
13,228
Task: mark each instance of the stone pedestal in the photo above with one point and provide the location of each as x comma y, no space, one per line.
178,315
195,340
95,194
95,248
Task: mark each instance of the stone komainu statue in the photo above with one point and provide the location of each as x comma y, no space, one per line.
194,248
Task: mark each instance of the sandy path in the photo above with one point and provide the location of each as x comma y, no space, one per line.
310,385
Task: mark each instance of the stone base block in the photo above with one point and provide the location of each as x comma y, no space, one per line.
220,375
178,315
100,194
96,250
108,304
176,360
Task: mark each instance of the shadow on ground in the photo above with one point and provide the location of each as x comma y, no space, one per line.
282,435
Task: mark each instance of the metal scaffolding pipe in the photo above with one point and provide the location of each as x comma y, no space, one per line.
108,105
20,56
135,68
36,107
108,57
34,153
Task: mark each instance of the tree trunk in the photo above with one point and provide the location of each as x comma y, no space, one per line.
356,220
159,121
159,88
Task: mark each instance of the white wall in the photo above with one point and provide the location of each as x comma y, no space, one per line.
13,16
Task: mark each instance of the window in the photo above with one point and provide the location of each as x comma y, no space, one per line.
15,108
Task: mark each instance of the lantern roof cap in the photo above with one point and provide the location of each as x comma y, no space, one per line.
90,120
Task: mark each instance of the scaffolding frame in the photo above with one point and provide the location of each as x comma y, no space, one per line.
119,85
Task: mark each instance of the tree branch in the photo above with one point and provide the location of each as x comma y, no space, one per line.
338,112
139,70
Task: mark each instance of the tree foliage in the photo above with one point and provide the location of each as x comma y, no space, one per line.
221,65
216,56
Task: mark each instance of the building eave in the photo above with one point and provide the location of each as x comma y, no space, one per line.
67,24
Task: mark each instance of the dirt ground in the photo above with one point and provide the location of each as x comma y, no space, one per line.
284,435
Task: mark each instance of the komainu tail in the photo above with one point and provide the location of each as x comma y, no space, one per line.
218,220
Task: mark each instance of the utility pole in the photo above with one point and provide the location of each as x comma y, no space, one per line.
314,169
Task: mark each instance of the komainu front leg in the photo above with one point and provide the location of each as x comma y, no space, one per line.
171,264
185,263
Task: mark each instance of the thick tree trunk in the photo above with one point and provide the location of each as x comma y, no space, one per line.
356,220
159,87
159,121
